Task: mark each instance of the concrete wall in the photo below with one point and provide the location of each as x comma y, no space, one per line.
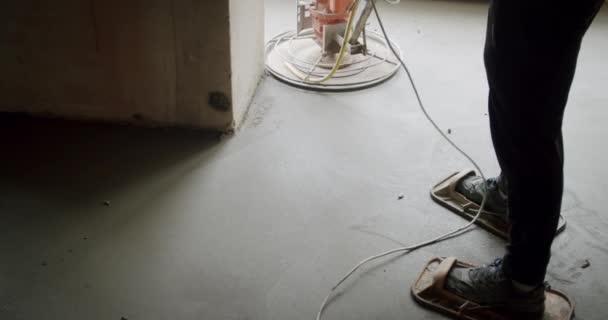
247,51
164,62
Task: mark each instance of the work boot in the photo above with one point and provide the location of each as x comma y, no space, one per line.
473,187
489,286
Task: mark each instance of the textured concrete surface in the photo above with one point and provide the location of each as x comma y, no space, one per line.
247,53
262,224
157,62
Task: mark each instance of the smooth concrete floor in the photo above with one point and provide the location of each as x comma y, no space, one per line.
262,224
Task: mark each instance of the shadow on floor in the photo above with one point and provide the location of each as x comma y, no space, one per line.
71,161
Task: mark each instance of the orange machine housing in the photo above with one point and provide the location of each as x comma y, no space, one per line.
326,12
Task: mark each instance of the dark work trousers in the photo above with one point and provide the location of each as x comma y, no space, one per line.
530,55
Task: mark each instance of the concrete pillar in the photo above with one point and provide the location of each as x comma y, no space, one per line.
247,48
190,63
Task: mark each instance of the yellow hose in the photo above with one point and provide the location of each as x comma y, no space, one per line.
353,12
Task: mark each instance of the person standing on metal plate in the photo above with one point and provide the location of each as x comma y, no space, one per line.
530,56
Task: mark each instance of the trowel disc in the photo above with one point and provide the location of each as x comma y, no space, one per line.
292,57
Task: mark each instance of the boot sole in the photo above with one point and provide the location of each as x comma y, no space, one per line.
445,194
430,292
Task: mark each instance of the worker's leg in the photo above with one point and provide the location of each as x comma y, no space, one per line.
531,54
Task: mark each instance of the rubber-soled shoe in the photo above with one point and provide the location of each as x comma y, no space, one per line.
462,193
489,286
473,188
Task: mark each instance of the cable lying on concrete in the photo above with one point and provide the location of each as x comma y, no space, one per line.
435,240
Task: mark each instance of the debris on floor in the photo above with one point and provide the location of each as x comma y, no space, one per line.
401,196
106,203
586,264
449,131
